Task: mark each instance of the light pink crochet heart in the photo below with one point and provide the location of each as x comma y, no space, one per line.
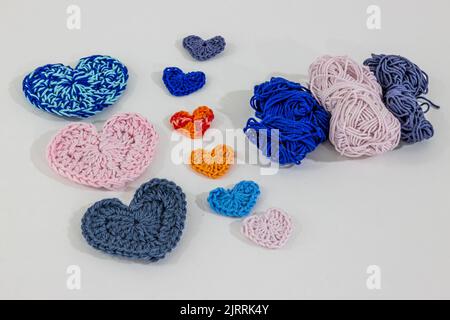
108,159
270,230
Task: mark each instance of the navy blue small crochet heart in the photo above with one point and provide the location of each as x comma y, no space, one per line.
181,84
204,49
94,84
235,202
147,229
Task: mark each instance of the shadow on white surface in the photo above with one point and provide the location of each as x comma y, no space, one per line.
236,106
236,231
157,79
294,77
325,152
201,201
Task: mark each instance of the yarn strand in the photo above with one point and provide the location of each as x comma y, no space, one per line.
360,124
288,111
404,85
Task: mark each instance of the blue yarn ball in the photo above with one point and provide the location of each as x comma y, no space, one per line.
94,84
290,108
404,85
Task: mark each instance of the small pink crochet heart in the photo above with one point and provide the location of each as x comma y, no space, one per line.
270,230
108,159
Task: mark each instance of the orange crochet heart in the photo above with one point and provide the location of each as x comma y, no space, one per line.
213,164
193,125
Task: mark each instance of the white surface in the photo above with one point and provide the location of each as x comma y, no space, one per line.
391,210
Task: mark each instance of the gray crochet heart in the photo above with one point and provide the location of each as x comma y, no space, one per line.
204,49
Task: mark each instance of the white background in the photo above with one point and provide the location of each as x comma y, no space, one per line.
391,210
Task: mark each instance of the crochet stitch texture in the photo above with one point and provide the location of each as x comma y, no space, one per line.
289,123
193,125
147,229
235,202
213,164
270,230
404,85
94,84
108,159
181,84
202,50
360,123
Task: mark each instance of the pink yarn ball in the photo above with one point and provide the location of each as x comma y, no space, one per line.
360,123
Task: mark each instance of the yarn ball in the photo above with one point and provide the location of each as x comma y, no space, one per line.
235,202
270,230
94,84
181,84
360,123
404,85
109,159
193,125
147,229
288,111
202,50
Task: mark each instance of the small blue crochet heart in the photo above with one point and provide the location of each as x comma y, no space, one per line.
235,202
181,84
204,49
94,84
147,229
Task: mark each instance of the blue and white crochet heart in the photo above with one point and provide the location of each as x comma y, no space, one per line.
202,50
181,84
235,202
147,229
95,83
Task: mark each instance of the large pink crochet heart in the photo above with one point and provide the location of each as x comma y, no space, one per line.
108,159
270,230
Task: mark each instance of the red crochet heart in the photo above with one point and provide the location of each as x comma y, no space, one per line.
193,125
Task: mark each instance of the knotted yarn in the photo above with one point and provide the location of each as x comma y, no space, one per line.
360,124
404,85
288,111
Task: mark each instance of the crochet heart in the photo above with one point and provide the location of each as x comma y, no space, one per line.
193,125
270,230
94,84
235,202
204,49
213,164
147,229
181,84
108,159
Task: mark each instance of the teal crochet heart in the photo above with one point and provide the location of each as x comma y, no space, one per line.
236,202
